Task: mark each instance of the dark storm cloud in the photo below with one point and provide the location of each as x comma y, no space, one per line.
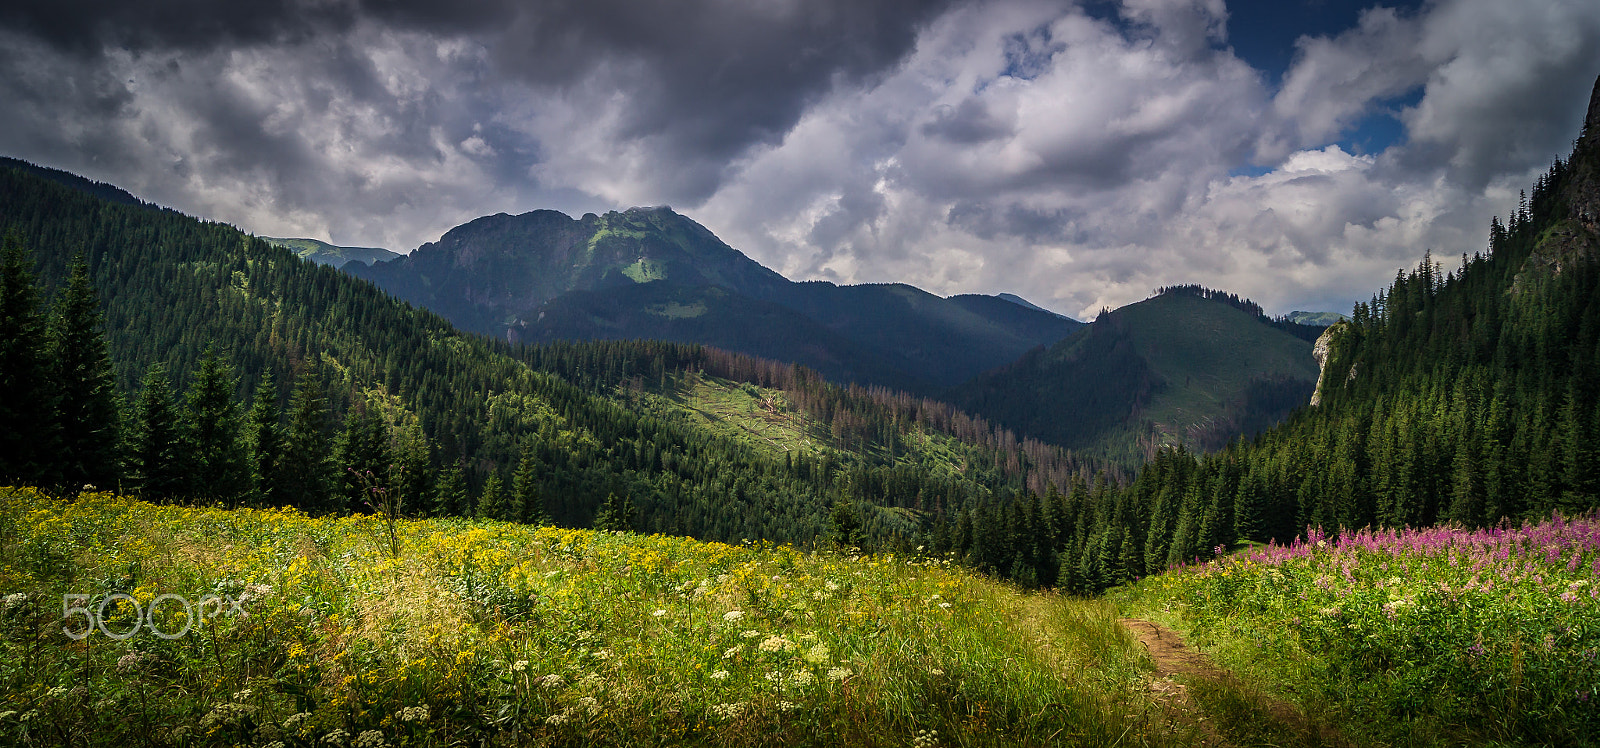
706,80
1081,153
90,26
703,79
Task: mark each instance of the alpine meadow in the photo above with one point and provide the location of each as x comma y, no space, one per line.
607,480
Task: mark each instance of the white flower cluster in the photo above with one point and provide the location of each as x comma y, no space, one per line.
519,666
556,720
720,675
371,739
728,711
414,714
839,673
732,651
295,721
775,643
337,737
254,592
925,739
15,599
733,615
818,655
553,681
228,715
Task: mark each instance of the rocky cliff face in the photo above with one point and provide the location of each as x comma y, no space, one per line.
1577,237
1319,351
1583,194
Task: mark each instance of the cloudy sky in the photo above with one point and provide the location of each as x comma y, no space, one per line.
1080,154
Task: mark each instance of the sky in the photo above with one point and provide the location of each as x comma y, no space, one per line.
1079,154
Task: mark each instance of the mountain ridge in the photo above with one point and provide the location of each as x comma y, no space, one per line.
543,276
323,253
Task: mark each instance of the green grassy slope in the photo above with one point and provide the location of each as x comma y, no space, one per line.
484,633
324,253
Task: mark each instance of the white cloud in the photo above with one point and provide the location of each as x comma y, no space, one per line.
1019,145
1104,172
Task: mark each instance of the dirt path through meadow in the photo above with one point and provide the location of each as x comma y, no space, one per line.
1174,659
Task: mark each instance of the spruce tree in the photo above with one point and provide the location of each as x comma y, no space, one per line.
27,412
361,455
221,468
525,488
264,436
616,514
450,492
161,449
88,406
307,475
491,504
412,471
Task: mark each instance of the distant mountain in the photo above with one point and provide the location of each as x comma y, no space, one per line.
1315,319
324,253
1018,300
1188,367
652,273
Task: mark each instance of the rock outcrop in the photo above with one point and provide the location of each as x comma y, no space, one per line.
1320,351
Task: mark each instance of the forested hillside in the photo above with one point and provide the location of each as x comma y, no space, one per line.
1190,366
1466,394
313,374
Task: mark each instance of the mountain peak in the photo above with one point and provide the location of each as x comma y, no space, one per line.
1591,123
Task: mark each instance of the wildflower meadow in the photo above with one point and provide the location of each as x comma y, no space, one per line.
125,622
1415,637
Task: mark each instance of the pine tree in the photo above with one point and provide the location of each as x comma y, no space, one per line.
307,475
616,515
88,408
450,492
844,520
221,468
412,471
491,504
526,502
27,401
361,456
264,436
161,448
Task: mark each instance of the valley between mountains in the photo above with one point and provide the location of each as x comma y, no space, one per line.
605,480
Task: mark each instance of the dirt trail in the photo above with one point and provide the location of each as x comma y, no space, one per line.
1174,659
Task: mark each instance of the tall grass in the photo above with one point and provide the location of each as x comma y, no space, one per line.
1418,637
332,632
